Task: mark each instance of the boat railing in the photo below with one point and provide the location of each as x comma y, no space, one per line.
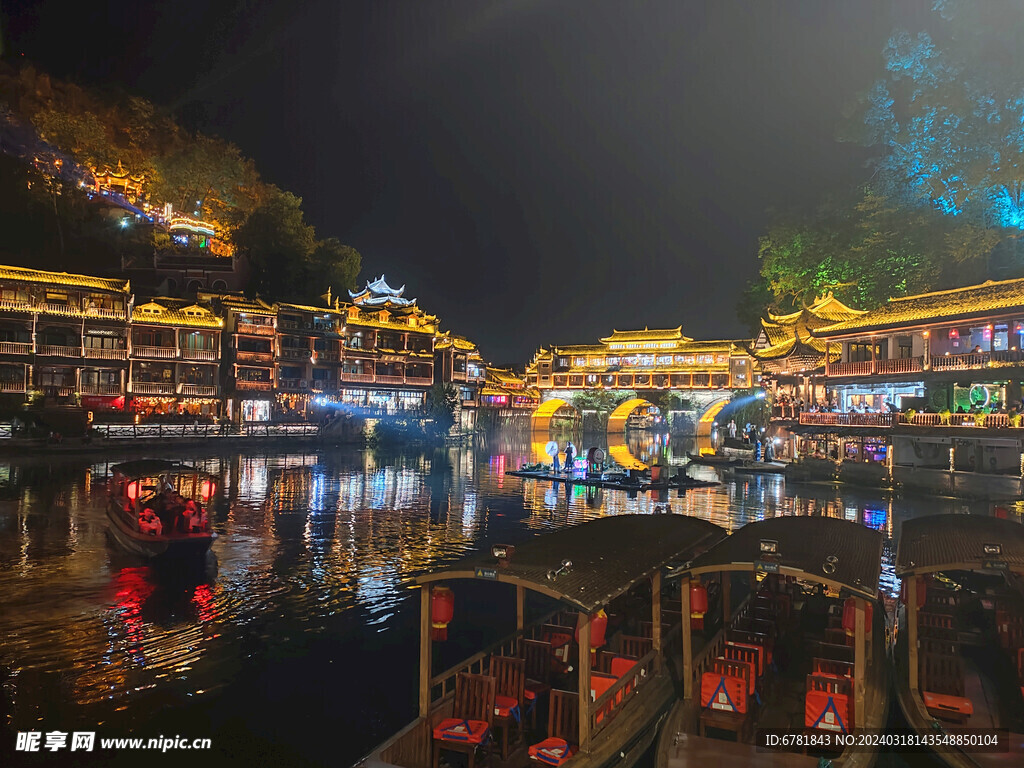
715,646
608,704
477,663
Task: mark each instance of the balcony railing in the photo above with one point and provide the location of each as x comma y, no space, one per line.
849,419
322,385
67,310
210,355
296,384
294,353
253,386
12,386
254,357
253,329
959,362
56,350
105,313
325,356
363,378
24,306
100,353
152,388
900,365
850,369
101,389
51,390
390,379
14,348
197,390
423,381
159,353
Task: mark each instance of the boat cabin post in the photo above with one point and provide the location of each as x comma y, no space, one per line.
424,702
586,704
723,577
656,618
687,640
859,659
911,589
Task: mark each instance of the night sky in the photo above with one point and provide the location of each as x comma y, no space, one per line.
536,172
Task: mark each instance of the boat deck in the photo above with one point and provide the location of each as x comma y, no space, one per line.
690,751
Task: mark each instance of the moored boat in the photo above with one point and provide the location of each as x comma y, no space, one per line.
713,459
596,657
800,647
159,507
751,467
960,633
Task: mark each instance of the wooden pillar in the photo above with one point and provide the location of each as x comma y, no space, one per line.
586,703
424,650
826,361
859,667
911,590
926,362
874,357
656,617
687,640
520,607
725,576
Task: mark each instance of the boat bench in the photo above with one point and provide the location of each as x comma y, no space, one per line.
942,687
827,704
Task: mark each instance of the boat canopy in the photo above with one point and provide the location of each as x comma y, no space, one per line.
152,467
959,543
605,557
829,550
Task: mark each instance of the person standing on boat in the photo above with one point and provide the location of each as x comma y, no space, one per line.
569,456
732,428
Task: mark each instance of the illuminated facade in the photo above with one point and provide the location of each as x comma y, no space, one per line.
174,358
63,337
249,352
505,390
643,360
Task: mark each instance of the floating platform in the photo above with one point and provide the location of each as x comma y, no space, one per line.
683,483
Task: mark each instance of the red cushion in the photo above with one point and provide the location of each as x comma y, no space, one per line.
552,751
457,729
503,705
534,689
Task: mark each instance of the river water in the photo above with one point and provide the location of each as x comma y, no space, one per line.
297,643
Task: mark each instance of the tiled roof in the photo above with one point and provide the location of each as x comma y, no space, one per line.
647,334
193,316
826,307
62,279
938,306
244,304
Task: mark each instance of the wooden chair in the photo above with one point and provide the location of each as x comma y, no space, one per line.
942,687
836,652
637,647
827,704
838,637
509,685
724,699
563,729
472,717
537,655
832,668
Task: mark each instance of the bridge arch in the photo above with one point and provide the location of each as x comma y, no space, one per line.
706,422
617,418
540,420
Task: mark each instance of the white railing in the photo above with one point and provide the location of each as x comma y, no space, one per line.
197,390
328,356
14,348
850,419
900,365
106,354
12,304
101,389
200,354
160,353
959,362
152,388
106,313
12,386
294,353
56,350
321,385
254,386
862,368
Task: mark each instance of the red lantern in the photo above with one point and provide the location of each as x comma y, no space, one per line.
442,609
206,489
698,599
133,490
598,629
850,615
954,333
922,592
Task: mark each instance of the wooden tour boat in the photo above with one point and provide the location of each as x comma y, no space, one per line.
799,645
751,467
713,459
597,661
960,631
158,508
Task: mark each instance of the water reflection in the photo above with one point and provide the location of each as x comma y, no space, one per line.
310,597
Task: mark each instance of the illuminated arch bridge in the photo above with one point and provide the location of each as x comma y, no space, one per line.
708,408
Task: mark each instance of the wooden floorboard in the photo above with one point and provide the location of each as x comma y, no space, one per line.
700,752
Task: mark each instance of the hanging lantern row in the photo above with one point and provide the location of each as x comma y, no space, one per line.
442,609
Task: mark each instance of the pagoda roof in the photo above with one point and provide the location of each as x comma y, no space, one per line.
969,302
505,376
167,313
647,334
239,303
447,339
63,279
120,173
379,294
